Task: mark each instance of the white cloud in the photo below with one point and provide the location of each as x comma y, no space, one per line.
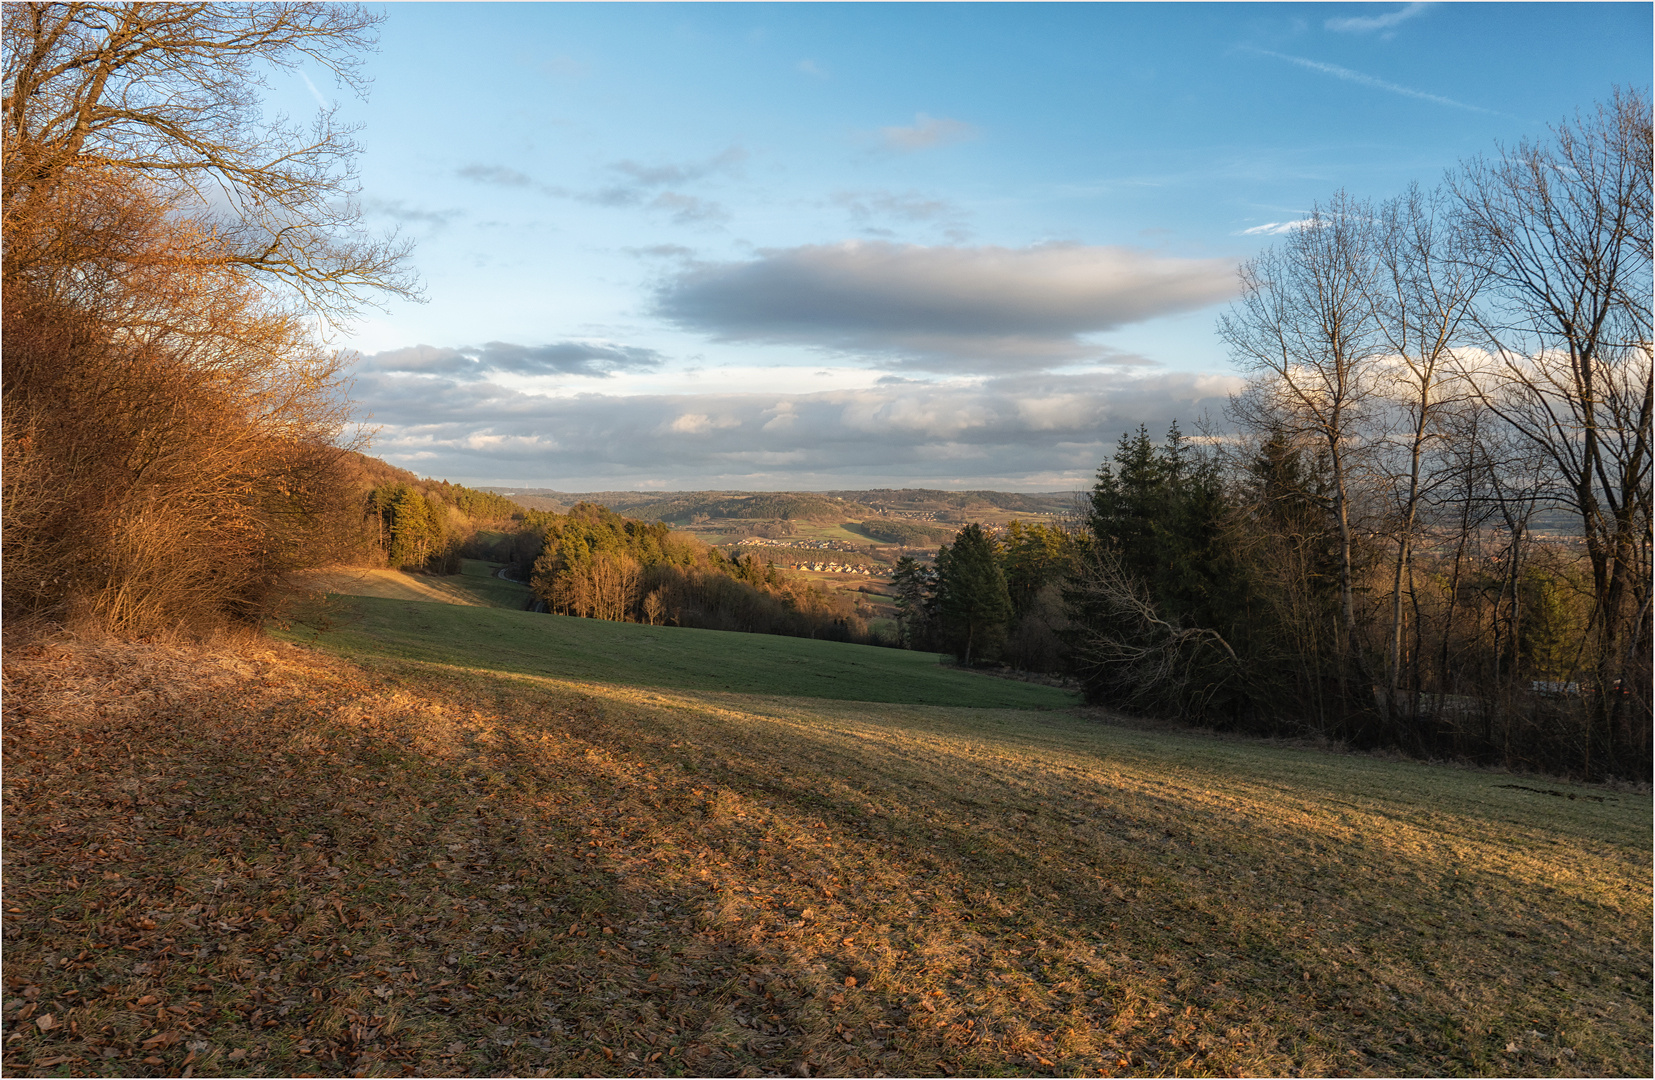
496,174
904,205
688,209
1364,24
942,308
927,132
399,210
638,189
321,101
565,67
701,424
1280,228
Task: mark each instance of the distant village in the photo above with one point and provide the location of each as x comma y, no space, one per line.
910,515
818,545
834,567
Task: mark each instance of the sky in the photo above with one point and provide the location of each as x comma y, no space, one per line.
767,247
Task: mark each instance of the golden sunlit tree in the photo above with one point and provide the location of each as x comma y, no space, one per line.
171,419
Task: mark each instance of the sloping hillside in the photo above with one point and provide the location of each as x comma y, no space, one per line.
260,860
453,621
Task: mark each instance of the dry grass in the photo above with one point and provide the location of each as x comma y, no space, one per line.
264,861
396,585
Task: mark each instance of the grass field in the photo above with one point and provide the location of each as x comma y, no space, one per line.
267,860
593,651
835,531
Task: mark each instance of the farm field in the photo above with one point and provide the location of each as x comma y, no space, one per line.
346,856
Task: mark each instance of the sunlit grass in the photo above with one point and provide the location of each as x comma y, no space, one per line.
475,586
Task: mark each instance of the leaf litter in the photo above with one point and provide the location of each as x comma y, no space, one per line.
259,860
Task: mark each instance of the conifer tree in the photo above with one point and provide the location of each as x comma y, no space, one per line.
973,599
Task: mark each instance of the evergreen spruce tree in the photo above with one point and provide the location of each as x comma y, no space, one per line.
974,602
915,585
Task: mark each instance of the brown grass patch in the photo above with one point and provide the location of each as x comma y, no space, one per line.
260,860
389,584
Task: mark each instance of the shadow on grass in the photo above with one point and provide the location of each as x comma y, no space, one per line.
411,868
1391,937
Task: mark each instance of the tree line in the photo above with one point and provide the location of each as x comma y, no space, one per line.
594,563
1428,523
427,525
989,599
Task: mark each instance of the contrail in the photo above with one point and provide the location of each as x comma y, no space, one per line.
315,93
1368,80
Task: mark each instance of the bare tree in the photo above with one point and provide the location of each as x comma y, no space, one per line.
1306,331
1563,228
1423,296
169,94
1140,659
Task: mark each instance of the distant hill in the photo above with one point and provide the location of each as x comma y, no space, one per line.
921,500
683,507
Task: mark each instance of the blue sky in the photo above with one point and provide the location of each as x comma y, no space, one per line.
843,246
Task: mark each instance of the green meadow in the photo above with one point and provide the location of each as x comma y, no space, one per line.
631,654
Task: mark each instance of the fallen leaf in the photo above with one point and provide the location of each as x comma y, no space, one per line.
45,1022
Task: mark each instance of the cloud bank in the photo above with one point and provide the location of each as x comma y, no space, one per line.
983,309
1047,431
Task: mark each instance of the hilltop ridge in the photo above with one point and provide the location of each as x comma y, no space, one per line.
687,506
